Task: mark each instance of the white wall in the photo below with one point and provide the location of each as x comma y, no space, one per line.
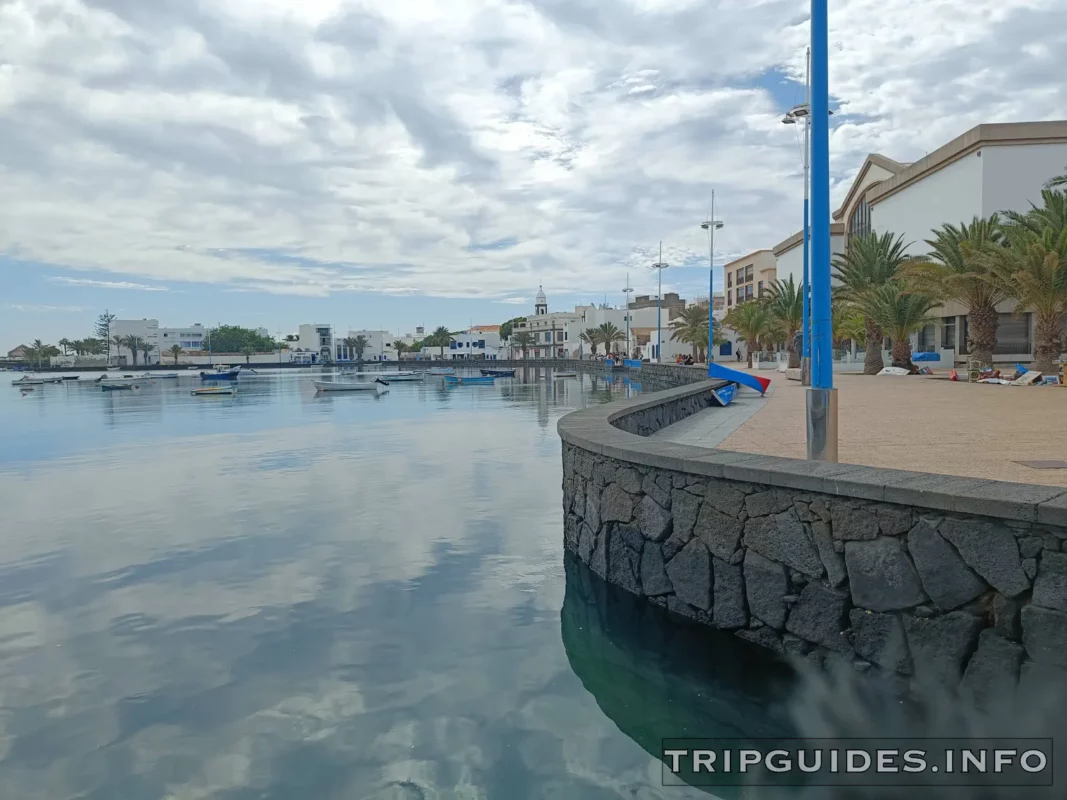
1013,176
952,194
147,329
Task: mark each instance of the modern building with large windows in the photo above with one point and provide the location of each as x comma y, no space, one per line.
747,277
988,169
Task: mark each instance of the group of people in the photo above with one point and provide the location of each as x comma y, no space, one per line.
687,360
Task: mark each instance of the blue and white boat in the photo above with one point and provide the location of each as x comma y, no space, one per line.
221,375
724,394
457,380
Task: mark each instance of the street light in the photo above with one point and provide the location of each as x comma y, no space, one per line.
711,225
821,396
659,266
626,306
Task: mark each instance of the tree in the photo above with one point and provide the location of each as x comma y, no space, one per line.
1033,270
67,345
400,347
357,345
591,337
870,262
119,342
848,324
248,352
785,302
103,331
691,327
957,272
234,339
292,337
439,338
1059,180
899,311
416,346
175,351
609,336
134,344
522,340
146,348
753,323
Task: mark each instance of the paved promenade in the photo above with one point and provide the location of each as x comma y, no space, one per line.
915,423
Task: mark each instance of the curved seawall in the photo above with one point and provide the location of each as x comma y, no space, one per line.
899,572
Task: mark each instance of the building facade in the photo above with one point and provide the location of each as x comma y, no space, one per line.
555,334
672,304
144,329
315,340
190,339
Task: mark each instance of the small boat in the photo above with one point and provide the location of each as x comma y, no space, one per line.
114,386
103,379
157,376
565,375
499,373
724,394
441,371
403,376
230,375
456,380
212,391
26,380
342,386
71,377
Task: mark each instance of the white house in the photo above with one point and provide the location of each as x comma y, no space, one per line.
379,346
480,344
554,335
146,329
316,340
188,339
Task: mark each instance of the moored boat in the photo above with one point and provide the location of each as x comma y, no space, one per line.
112,386
456,380
212,391
26,380
499,373
566,375
71,377
124,379
230,375
349,386
156,376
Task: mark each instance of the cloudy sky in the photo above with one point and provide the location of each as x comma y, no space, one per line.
271,162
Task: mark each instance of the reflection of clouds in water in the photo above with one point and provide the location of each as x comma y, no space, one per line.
380,617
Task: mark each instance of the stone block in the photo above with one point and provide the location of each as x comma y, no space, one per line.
674,543
1006,617
629,479
598,562
821,616
616,505
764,637
881,575
571,531
880,639
993,671
820,507
804,512
761,504
1030,546
940,645
723,497
653,519
578,498
832,561
654,580
655,491
1050,587
592,506
721,533
624,559
944,574
1030,568
586,542
729,590
684,510
782,538
990,551
893,520
852,522
1045,635
603,472
690,575
766,583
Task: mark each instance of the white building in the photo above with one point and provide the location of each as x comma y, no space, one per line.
379,346
190,339
145,329
790,254
988,169
315,341
475,343
555,335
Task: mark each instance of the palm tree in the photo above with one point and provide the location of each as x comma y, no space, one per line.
691,327
1059,180
67,345
847,323
134,343
899,311
957,272
609,335
591,337
522,340
248,351
1033,270
870,262
785,302
753,323
93,347
1051,214
400,347
146,348
119,342
357,345
441,337
175,351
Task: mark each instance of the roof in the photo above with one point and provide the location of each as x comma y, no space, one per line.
540,298
990,135
485,329
746,257
784,246
874,159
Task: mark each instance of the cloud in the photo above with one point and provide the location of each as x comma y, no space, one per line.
471,149
514,301
34,308
141,287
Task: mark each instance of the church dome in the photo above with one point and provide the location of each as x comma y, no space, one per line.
540,300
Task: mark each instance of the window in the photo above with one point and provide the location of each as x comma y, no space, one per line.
481,343
748,273
564,335
748,292
948,333
759,290
451,345
1013,334
548,336
729,297
927,337
859,221
729,280
740,276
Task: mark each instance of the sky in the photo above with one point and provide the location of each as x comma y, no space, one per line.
391,164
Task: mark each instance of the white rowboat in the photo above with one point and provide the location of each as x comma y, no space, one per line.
212,391
342,386
28,381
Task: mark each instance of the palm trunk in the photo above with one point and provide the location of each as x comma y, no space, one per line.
133,353
1047,342
982,325
749,345
872,359
901,352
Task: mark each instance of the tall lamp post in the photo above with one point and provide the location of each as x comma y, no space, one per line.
711,225
659,266
821,397
626,312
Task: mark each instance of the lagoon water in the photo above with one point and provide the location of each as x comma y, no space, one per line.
291,595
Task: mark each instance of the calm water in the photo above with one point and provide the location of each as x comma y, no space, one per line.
284,595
